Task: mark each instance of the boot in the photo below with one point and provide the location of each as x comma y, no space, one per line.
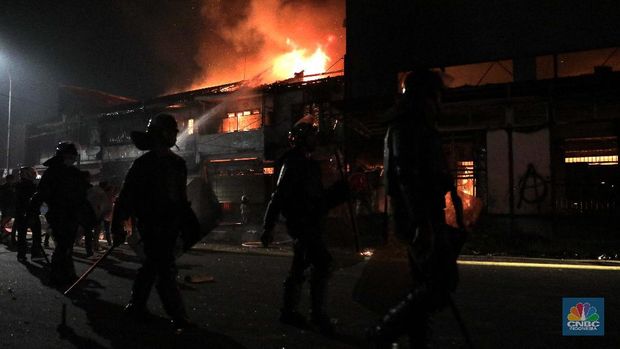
140,291
170,296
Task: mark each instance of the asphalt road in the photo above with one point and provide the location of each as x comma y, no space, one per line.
503,307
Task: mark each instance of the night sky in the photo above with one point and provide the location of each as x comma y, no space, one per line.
130,48
107,45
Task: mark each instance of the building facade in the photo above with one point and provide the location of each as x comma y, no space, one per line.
230,135
530,119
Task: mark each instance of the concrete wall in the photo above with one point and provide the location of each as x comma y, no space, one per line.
532,148
529,148
498,175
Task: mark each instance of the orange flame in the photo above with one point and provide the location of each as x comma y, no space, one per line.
271,41
295,61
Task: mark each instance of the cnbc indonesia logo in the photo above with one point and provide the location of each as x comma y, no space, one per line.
583,318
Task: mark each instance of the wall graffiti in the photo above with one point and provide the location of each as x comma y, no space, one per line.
532,187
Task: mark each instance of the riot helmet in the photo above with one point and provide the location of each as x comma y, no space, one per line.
161,131
303,134
422,84
66,152
66,148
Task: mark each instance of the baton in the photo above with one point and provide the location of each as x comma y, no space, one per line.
90,270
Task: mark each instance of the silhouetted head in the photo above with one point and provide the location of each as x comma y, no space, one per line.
303,135
422,84
66,153
9,179
28,174
422,90
161,132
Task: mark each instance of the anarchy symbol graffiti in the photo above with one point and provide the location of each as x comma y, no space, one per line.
532,187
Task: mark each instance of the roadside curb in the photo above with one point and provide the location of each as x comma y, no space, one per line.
534,260
466,259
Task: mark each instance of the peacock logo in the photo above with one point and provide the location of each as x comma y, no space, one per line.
583,316
582,312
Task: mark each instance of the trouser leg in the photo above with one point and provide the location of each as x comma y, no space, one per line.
62,268
48,233
143,283
36,250
35,227
320,259
294,281
20,229
169,292
88,240
106,231
162,269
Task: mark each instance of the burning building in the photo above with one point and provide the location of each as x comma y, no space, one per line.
287,59
230,134
531,117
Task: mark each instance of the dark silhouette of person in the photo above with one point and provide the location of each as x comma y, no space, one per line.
24,217
107,204
154,196
244,207
417,179
301,198
7,206
88,218
63,189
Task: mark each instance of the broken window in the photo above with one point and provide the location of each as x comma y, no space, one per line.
465,180
594,151
245,120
